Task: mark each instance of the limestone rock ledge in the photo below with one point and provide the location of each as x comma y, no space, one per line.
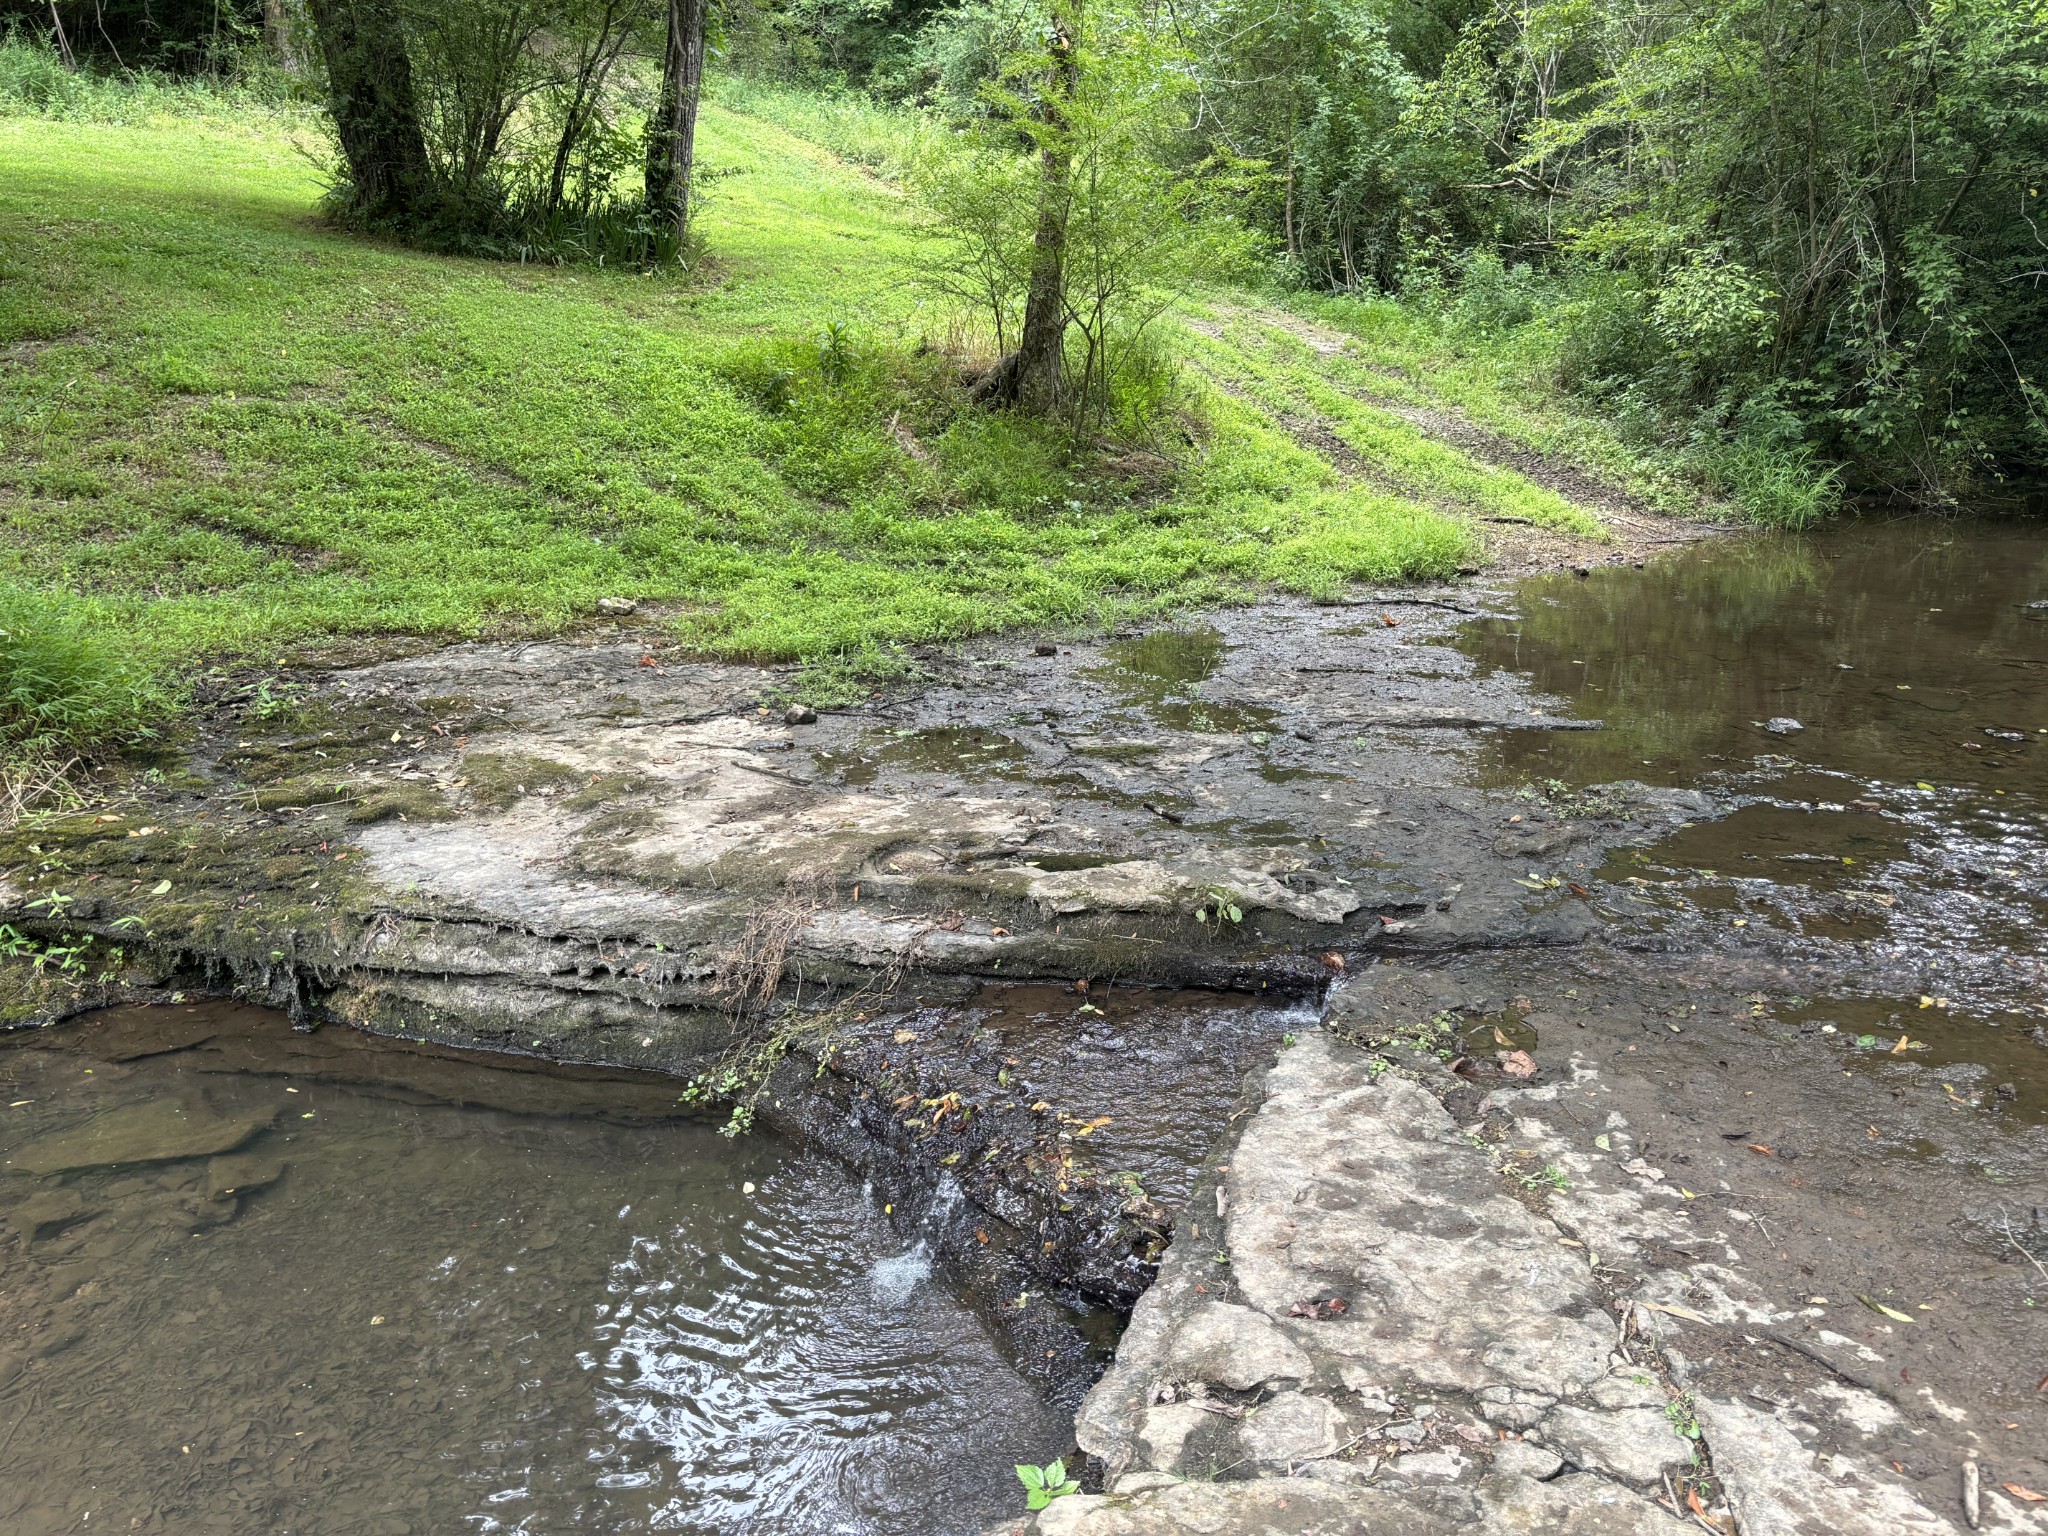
1366,1324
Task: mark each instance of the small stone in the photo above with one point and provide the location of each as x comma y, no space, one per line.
1782,725
617,607
1518,1458
241,1173
1445,1463
799,714
1293,1427
1635,1445
44,1216
1044,649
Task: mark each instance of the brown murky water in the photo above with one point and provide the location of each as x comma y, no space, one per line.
1875,698
259,1281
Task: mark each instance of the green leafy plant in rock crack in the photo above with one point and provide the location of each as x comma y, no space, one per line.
1218,906
1044,1484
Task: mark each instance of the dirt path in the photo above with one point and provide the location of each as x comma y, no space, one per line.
1633,530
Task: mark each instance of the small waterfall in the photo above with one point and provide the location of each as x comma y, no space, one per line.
896,1277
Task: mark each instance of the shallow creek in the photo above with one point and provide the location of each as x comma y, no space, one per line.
1875,701
341,1285
324,1282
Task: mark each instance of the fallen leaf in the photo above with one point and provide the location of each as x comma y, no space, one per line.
1333,960
1904,1042
1757,1146
1878,1306
1684,1312
1517,1064
905,1037
160,888
1694,1502
999,933
645,661
2023,1493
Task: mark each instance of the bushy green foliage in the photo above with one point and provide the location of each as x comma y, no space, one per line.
1830,209
1704,209
35,83
66,686
1138,226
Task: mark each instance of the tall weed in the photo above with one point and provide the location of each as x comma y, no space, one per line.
66,688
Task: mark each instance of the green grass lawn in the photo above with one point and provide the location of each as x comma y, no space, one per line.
230,433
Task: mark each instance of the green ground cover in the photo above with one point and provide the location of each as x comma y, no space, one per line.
229,433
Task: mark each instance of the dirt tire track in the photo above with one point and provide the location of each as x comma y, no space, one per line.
1636,529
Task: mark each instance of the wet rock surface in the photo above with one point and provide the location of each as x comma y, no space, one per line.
1675,1127
1402,1301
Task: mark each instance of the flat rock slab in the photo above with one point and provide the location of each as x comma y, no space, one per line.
151,1131
1378,1319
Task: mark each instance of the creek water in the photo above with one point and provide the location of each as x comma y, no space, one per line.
279,1282
1874,700
337,1284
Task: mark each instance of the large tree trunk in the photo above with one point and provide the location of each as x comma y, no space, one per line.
672,130
1031,376
370,92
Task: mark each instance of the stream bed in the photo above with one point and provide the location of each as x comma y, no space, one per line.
337,1284
254,1280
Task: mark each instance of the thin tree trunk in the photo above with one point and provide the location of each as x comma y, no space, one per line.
63,43
375,114
279,33
672,130
593,69
1033,372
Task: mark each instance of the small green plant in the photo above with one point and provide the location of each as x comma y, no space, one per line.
1684,1422
1044,1484
67,957
835,353
275,703
1217,907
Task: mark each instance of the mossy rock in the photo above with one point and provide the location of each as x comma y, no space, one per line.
306,790
406,802
499,780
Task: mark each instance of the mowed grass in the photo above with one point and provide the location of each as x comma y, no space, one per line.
231,433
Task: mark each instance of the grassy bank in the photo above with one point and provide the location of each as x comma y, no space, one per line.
228,433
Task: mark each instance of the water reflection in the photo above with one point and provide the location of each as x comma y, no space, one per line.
384,1312
1907,652
1877,693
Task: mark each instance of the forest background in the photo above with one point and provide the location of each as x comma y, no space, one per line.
1760,254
